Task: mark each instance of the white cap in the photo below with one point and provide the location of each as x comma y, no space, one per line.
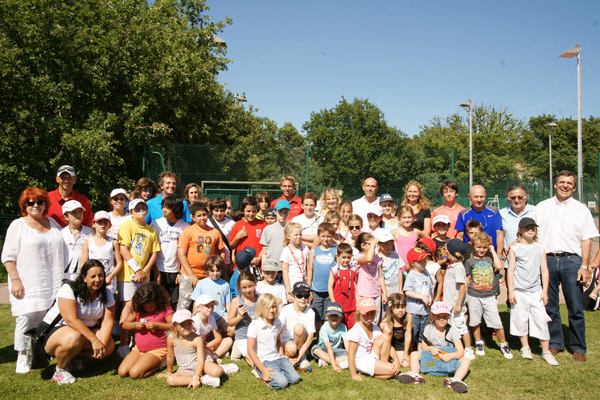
65,168
71,205
135,202
441,218
118,191
375,209
101,215
383,235
205,299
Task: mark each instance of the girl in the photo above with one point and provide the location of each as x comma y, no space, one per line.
355,225
413,197
370,282
118,212
398,323
341,231
103,248
527,281
369,348
264,200
145,189
309,219
247,231
442,352
150,318
330,201
390,221
229,208
405,235
294,258
264,346
243,309
345,211
185,346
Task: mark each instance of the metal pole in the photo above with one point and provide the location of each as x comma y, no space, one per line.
306,183
470,146
550,154
579,133
452,165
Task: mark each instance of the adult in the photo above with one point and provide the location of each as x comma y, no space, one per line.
361,206
488,216
450,208
516,210
413,197
167,181
87,309
566,229
191,193
145,189
34,257
287,184
66,179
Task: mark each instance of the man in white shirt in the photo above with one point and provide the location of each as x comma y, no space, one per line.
566,229
360,206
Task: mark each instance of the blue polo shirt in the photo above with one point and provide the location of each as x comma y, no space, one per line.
489,217
155,210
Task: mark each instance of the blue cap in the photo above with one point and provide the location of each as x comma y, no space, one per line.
335,309
386,197
282,205
455,246
244,257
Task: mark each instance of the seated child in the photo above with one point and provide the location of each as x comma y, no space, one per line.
398,323
242,314
269,284
331,348
298,321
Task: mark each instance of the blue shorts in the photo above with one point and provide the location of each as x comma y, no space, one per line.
337,351
320,303
433,366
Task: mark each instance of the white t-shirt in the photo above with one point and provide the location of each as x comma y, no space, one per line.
296,263
360,207
115,224
266,339
226,226
277,290
74,249
365,345
433,268
309,225
168,236
203,330
89,313
290,317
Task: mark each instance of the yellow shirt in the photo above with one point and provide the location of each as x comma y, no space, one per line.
141,241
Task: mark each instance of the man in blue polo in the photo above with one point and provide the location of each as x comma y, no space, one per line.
167,181
516,210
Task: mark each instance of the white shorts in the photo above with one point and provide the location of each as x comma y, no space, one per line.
459,322
127,289
366,364
529,317
242,346
486,307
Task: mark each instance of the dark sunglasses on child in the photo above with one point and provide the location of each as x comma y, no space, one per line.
303,295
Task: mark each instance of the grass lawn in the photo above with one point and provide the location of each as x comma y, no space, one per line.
491,377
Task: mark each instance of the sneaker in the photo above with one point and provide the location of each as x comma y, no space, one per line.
75,366
505,350
23,362
122,351
455,384
230,368
323,363
479,349
469,353
343,364
549,358
208,380
526,353
410,378
304,364
63,377
255,373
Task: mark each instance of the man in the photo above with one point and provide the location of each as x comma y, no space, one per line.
566,229
167,181
287,185
66,178
450,208
488,216
361,206
511,215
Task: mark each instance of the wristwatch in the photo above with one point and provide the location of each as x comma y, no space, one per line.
585,267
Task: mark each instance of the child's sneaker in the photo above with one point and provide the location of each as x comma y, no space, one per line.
549,358
343,364
455,384
208,380
304,364
122,351
410,378
479,349
469,353
505,350
526,353
63,377
230,368
322,363
255,373
23,362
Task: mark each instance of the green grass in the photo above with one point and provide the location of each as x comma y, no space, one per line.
491,377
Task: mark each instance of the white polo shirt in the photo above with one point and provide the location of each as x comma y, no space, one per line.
360,207
266,339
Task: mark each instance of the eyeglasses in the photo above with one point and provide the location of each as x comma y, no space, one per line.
353,227
303,296
517,197
32,203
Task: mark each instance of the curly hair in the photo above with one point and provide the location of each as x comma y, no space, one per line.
142,183
150,293
83,292
423,203
33,194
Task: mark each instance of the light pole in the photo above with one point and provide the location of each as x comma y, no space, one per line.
239,98
550,125
465,105
576,51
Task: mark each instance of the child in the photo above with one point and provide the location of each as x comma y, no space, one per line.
455,292
229,209
341,234
118,212
103,248
374,213
481,301
196,244
342,284
345,211
150,318
450,208
435,271
270,216
331,348
243,259
442,353
390,264
370,282
418,291
390,222
264,346
269,285
355,225
441,224
75,234
169,229
320,262
298,326
273,235
405,235
139,247
397,322
247,231
264,200
217,289
309,220
368,348
223,224
242,313
293,259
527,282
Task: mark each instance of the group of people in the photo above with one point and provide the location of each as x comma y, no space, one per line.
374,285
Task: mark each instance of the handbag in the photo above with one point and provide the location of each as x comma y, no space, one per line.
39,358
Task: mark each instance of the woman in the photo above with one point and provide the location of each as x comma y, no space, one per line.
118,212
413,196
192,193
145,189
87,309
330,201
34,258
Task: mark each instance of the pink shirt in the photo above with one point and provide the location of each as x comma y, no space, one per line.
146,340
368,283
403,244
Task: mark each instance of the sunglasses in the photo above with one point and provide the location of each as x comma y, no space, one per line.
353,227
303,296
32,203
517,197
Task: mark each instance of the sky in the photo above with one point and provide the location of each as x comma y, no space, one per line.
415,60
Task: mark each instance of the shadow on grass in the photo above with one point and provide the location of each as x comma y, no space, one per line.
8,355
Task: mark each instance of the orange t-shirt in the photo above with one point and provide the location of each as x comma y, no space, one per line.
200,244
452,214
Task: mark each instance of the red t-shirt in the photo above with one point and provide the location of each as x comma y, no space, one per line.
295,204
56,203
254,229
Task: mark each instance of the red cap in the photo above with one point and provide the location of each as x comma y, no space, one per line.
415,254
430,245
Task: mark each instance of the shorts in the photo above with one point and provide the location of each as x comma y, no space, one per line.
459,322
242,346
128,289
42,327
486,307
337,351
432,366
366,364
167,280
184,302
529,317
320,303
160,353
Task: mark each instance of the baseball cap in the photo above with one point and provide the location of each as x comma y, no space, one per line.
383,235
441,218
135,202
427,241
366,304
440,308
270,212
270,265
415,254
65,168
334,309
386,197
71,205
282,205
375,209
180,316
118,191
455,246
244,257
205,299
527,222
300,287
101,215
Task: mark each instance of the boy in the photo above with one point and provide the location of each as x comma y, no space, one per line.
441,225
481,300
270,285
196,243
219,291
449,191
435,271
473,226
270,216
320,261
342,284
243,259
139,248
272,237
223,224
455,292
169,229
418,290
298,326
331,348
74,235
390,264
309,220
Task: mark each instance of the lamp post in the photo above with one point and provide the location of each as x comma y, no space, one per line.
576,51
465,105
550,125
238,98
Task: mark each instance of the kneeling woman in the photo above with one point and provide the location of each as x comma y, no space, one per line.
87,308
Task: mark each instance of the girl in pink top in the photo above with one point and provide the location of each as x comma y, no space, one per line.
150,318
405,236
370,282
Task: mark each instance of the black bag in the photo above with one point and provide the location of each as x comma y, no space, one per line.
39,358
